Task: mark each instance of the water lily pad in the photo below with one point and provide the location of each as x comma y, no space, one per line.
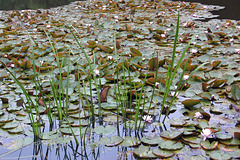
190,102
236,92
16,130
163,153
112,141
144,152
21,142
109,129
152,140
130,142
209,145
171,145
10,125
223,136
172,134
220,155
192,139
231,142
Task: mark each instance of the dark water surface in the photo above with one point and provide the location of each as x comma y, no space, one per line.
31,4
231,10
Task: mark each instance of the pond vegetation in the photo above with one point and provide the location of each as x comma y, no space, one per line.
120,79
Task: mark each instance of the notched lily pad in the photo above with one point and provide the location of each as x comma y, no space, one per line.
163,153
112,141
209,145
144,152
171,145
172,134
223,136
130,142
152,140
109,129
231,142
219,155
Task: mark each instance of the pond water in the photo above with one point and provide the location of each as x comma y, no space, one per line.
31,4
231,10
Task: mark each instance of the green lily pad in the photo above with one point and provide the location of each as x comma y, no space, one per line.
21,142
144,152
10,125
236,92
171,145
130,142
109,129
163,153
152,140
209,145
16,130
112,141
231,142
190,102
220,155
172,134
223,136
192,139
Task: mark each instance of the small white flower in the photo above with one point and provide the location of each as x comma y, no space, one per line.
163,35
35,29
147,118
185,77
231,40
156,84
237,50
194,15
97,71
116,20
116,17
88,25
196,36
48,26
194,50
12,65
110,57
198,115
150,22
206,133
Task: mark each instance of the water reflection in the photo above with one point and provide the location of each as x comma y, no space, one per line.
231,10
31,4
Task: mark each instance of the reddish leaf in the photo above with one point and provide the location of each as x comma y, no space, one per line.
103,94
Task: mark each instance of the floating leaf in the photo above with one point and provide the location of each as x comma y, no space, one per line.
223,136
220,155
171,145
152,141
24,49
190,102
153,64
235,92
231,142
130,142
144,152
172,134
135,52
103,94
112,141
109,129
209,145
163,153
